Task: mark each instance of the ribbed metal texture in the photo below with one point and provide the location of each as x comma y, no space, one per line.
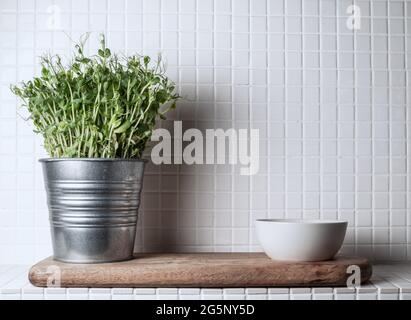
93,205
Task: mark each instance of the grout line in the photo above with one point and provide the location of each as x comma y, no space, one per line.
372,75
106,22
125,25
407,114
88,46
160,176
321,156
12,11
372,135
285,91
197,103
36,212
215,119
337,37
268,114
355,205
141,216
354,140
304,156
178,117
250,187
233,124
389,129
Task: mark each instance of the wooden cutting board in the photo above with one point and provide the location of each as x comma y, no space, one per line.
199,270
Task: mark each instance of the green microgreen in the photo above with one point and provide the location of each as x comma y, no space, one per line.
99,106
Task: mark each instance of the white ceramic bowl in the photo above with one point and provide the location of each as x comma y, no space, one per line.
301,240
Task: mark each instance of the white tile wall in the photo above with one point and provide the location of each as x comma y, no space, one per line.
332,106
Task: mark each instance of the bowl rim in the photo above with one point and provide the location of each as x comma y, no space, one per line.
303,221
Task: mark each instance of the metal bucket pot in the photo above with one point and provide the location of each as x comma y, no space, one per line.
93,205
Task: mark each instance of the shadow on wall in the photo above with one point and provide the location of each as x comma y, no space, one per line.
168,217
179,210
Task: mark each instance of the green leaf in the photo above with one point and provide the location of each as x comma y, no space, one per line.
123,127
45,72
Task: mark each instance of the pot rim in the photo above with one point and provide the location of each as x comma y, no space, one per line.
93,159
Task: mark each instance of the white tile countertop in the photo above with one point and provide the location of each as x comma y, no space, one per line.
390,281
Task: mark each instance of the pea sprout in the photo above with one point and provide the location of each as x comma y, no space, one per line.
99,106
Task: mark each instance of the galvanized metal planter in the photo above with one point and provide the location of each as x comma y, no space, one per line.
93,205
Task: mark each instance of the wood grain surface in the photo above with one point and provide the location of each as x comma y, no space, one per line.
198,270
